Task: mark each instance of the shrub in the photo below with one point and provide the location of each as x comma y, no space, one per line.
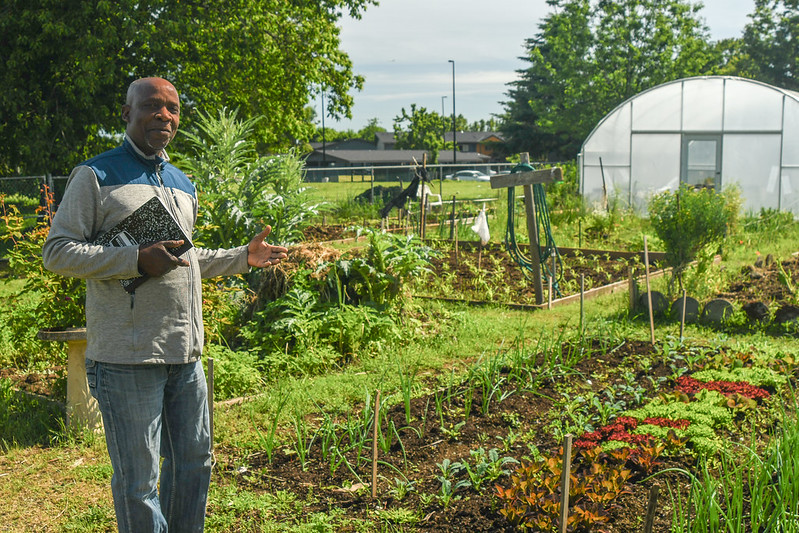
235,373
46,300
692,223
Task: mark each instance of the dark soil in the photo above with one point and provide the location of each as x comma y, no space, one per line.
761,282
490,273
424,445
51,383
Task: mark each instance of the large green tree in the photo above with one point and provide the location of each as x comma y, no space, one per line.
771,42
419,129
67,64
588,57
548,96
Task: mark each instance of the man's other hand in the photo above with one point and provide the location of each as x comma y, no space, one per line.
260,254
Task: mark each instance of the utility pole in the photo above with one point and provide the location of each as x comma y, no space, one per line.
454,140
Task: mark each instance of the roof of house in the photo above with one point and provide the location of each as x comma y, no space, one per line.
390,157
347,144
474,136
387,137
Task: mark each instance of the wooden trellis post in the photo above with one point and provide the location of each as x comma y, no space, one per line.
526,180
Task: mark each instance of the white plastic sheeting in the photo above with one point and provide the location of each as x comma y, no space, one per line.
716,131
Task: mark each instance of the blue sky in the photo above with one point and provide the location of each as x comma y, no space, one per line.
402,48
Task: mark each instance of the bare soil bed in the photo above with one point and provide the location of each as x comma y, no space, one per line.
761,282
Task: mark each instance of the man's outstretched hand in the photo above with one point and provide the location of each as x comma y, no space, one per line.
260,254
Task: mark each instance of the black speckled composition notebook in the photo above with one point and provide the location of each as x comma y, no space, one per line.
149,223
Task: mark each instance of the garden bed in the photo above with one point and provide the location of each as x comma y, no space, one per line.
452,426
762,281
489,274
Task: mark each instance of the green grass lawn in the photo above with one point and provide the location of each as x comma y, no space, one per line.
343,191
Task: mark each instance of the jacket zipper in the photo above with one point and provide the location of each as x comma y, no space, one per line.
172,204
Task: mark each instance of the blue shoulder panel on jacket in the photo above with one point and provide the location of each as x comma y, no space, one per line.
122,166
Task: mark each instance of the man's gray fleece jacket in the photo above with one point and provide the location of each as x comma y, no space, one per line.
162,321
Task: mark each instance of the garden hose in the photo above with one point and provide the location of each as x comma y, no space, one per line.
546,246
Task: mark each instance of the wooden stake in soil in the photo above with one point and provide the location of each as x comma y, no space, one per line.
532,235
632,288
422,213
565,482
582,303
456,248
452,220
211,400
651,508
649,294
682,313
549,296
480,256
374,444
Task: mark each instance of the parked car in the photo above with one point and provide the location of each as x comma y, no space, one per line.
468,175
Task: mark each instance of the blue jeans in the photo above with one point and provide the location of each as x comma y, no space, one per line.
149,412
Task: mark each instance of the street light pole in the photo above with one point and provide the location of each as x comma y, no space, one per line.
443,139
454,140
324,147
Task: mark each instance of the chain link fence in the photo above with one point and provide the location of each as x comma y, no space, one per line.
399,173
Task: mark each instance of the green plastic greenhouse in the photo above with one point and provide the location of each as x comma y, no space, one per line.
713,131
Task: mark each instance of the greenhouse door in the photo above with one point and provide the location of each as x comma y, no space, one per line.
701,160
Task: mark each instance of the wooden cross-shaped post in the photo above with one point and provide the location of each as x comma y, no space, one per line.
526,180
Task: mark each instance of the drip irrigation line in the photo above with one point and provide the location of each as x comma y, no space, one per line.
546,246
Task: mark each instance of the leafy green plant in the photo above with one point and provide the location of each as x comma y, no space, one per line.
692,223
449,486
707,412
453,431
240,191
235,373
377,279
401,488
485,467
47,300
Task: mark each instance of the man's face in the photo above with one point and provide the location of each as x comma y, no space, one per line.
152,113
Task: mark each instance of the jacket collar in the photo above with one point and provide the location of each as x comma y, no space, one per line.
156,159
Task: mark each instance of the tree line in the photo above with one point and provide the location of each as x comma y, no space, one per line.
67,64
590,56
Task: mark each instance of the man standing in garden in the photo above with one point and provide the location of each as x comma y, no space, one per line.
143,355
